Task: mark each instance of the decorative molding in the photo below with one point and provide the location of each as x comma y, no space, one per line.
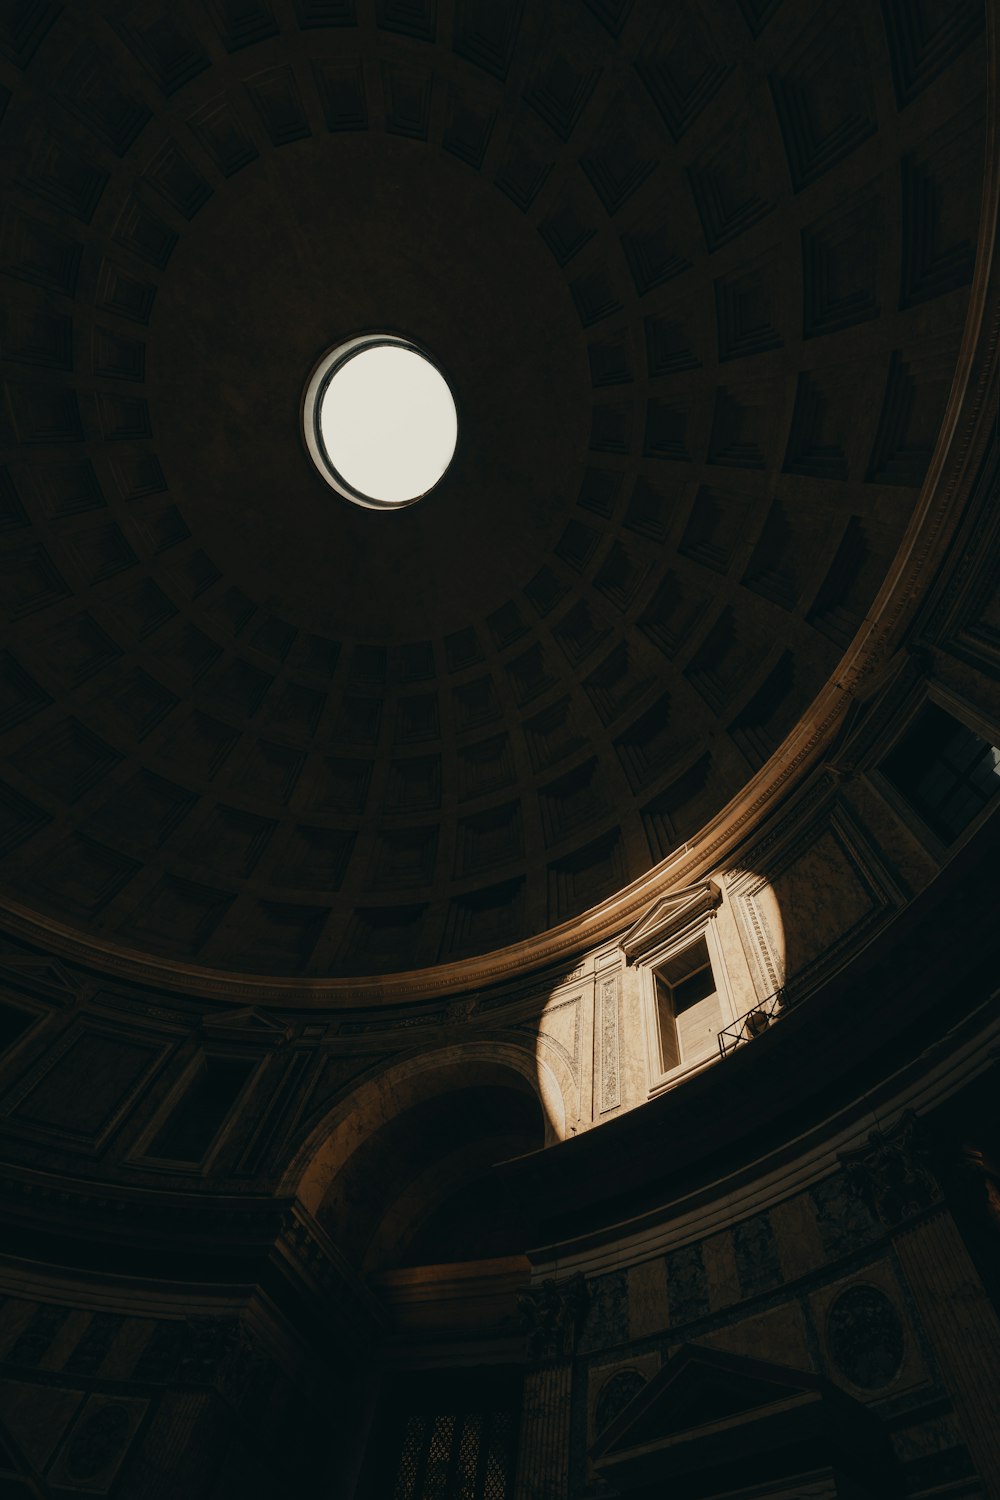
608,1034
393,1023
176,1020
537,1028
667,919
551,983
43,976
308,1250
247,1025
145,1218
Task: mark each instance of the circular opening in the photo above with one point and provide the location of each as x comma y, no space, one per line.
380,421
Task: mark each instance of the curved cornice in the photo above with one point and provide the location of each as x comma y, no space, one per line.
969,419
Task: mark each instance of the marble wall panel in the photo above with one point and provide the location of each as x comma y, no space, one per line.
607,1316
721,1271
756,1253
804,905
687,1284
843,1219
647,1298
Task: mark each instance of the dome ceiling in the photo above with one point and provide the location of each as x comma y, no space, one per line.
697,277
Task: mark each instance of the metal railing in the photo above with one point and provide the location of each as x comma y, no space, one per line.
752,1023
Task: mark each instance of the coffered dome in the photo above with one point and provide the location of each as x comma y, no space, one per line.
697,277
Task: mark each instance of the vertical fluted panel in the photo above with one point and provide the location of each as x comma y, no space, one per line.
964,1331
543,1457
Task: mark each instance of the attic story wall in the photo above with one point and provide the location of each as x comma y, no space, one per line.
96,1072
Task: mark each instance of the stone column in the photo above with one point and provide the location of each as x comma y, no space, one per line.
972,1192
543,1456
983,1175
962,1326
552,1314
901,1172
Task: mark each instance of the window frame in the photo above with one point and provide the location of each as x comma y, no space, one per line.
490,1391
969,717
175,1096
668,930
660,1077
10,1000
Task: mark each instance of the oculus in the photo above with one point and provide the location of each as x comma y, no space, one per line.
380,421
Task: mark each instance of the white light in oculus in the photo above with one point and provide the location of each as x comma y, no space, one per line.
380,421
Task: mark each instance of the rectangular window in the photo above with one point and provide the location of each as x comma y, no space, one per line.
688,1007
945,771
14,1022
445,1437
466,1455
201,1112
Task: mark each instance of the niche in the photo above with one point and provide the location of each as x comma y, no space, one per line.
196,1120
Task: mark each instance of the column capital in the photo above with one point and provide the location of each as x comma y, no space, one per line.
551,1314
895,1170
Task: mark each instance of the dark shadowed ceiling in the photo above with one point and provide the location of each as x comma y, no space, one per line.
697,274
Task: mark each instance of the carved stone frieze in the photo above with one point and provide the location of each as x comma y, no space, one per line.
143,1217
609,1042
398,1022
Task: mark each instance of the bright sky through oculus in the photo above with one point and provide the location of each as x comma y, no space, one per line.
388,423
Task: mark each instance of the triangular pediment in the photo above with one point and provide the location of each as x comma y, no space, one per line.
245,1025
668,918
698,1387
709,1418
42,975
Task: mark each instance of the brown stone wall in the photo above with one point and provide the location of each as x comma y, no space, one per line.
100,1401
892,1313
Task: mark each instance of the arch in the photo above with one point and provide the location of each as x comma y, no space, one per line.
378,1101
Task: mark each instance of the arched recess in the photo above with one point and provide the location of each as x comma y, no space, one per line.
372,1124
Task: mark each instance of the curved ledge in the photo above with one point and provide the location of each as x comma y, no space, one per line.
961,439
